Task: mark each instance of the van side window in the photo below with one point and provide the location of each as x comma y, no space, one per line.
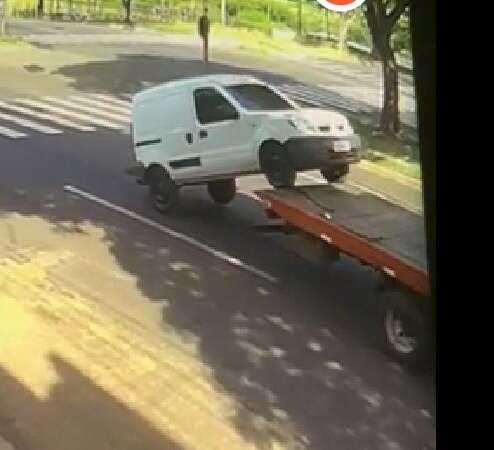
212,107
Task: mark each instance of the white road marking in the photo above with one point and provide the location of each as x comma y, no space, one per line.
50,117
111,99
105,105
66,112
312,178
10,133
30,124
328,99
87,109
174,234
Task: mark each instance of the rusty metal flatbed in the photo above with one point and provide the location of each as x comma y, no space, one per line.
366,227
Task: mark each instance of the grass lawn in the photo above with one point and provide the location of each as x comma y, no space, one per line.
389,152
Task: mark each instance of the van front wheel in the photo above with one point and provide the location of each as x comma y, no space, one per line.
162,189
277,166
222,191
336,174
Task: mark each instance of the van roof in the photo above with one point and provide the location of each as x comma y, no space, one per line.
215,79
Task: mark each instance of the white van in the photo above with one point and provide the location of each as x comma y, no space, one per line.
211,129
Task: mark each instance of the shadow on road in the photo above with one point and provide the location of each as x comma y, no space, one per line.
294,355
126,73
76,414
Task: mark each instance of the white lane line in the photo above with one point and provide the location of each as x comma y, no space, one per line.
301,98
26,123
105,105
10,133
73,114
87,109
174,234
312,178
327,100
111,99
308,99
49,117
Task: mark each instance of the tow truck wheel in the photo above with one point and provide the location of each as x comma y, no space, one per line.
336,174
162,189
276,165
405,329
222,191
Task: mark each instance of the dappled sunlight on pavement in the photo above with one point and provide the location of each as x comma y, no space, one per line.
77,374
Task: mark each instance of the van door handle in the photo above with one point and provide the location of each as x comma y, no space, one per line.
203,134
188,137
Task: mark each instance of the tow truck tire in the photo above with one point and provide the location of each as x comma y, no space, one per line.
276,165
336,174
222,191
406,329
162,189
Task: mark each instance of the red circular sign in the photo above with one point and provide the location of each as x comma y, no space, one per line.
340,5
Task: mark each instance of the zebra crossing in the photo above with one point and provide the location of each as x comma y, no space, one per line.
55,115
20,118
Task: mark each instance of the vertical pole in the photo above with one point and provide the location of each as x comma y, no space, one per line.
223,12
299,19
327,25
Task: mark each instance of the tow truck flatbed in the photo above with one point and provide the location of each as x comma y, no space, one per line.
366,227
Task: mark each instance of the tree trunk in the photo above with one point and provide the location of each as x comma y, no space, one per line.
390,114
299,18
344,28
223,12
126,4
327,25
40,8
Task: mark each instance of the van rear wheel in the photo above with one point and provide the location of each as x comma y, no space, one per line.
162,189
276,165
222,191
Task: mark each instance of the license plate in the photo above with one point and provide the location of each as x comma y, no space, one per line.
341,146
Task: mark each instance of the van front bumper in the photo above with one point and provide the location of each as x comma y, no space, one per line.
318,152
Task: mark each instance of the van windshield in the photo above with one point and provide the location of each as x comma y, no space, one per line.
257,97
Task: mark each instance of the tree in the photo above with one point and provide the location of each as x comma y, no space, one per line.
382,16
126,5
345,23
41,8
299,18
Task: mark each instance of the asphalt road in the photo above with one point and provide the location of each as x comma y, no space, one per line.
367,403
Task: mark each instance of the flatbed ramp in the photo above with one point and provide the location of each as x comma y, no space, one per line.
370,228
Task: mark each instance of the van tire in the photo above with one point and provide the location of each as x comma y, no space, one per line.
336,174
276,165
222,191
162,189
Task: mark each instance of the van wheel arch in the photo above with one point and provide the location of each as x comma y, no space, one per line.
274,162
150,168
263,145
